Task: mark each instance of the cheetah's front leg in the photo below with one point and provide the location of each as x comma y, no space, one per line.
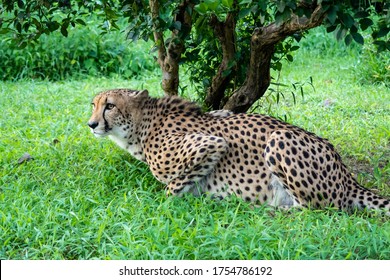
185,167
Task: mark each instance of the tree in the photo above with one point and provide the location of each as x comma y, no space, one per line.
231,45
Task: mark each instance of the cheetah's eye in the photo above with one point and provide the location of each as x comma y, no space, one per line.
110,106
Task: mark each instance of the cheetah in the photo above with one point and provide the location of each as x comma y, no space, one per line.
256,157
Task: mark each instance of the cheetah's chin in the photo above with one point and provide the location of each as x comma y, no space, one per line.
99,134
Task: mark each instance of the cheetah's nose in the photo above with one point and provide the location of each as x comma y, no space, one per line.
93,125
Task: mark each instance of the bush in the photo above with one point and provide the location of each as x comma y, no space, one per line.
319,42
83,52
373,67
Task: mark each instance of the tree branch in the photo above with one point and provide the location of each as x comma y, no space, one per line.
262,48
225,32
157,33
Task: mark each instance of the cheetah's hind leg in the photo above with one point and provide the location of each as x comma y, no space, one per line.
281,198
202,153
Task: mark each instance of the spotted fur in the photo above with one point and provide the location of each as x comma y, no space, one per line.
256,157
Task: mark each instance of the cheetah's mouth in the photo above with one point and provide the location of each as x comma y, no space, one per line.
99,133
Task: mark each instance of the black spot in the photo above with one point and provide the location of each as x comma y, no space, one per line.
272,160
293,172
294,150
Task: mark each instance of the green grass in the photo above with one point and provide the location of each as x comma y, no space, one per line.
84,198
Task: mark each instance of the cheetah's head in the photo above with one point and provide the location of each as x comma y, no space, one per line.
115,112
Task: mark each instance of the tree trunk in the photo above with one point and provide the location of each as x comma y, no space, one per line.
225,32
169,56
263,43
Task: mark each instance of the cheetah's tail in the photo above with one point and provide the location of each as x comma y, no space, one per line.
361,197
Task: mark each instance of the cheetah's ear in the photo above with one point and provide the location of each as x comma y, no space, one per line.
142,93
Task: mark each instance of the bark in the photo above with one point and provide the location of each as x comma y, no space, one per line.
225,32
168,56
263,43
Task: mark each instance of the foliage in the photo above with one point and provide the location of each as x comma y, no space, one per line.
191,31
31,19
373,67
84,52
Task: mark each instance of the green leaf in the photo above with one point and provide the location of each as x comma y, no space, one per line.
212,5
358,38
177,25
282,17
353,29
332,14
52,25
19,27
383,31
64,27
292,5
347,20
365,23
244,12
64,30
26,26
243,2
281,6
290,58
294,48
227,3
80,21
5,30
331,28
201,8
348,39
20,4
